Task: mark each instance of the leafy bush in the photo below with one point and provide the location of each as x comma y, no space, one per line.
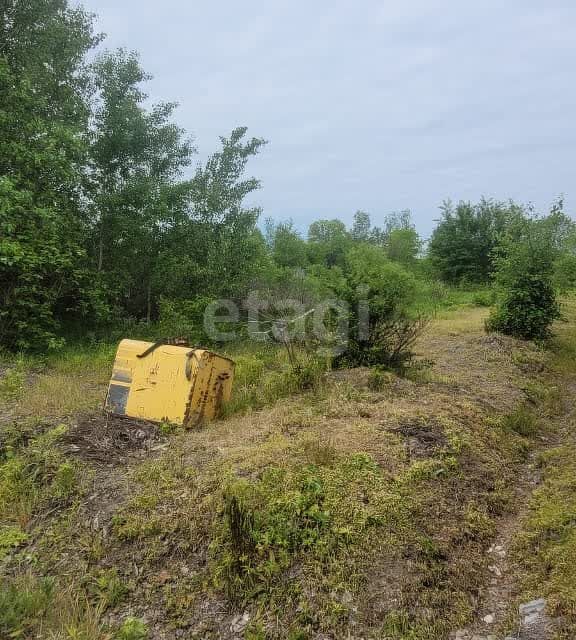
483,298
565,273
527,310
394,338
527,306
183,318
462,245
379,296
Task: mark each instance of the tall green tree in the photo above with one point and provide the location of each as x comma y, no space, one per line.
287,246
43,115
462,245
137,157
215,248
361,227
328,242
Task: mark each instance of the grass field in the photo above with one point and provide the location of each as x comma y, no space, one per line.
362,508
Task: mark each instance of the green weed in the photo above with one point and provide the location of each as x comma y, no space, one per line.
110,588
132,629
10,538
379,378
12,382
522,421
23,603
35,474
263,376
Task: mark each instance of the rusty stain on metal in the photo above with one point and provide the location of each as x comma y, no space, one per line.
169,382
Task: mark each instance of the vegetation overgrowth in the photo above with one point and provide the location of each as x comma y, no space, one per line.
363,465
104,227
291,509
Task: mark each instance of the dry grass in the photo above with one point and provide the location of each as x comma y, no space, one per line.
461,321
395,489
58,395
70,383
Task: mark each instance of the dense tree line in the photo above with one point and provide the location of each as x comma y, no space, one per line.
102,217
97,219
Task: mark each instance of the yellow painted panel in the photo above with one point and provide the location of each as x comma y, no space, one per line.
171,383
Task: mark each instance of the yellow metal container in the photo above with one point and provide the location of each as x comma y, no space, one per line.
163,382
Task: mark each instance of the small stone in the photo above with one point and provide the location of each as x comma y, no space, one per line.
534,606
239,623
495,570
489,619
532,619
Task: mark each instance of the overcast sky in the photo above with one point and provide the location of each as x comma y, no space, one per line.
370,105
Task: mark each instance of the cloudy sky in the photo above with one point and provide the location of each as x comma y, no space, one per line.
368,104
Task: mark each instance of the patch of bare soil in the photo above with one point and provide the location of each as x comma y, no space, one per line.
487,369
107,439
423,438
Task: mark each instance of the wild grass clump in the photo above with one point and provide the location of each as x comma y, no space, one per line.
522,421
23,603
60,384
109,588
12,382
266,524
264,375
320,452
549,399
305,515
35,475
40,607
379,378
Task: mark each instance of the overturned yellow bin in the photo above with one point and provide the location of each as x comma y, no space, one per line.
168,383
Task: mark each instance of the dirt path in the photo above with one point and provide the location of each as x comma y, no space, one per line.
499,602
499,596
